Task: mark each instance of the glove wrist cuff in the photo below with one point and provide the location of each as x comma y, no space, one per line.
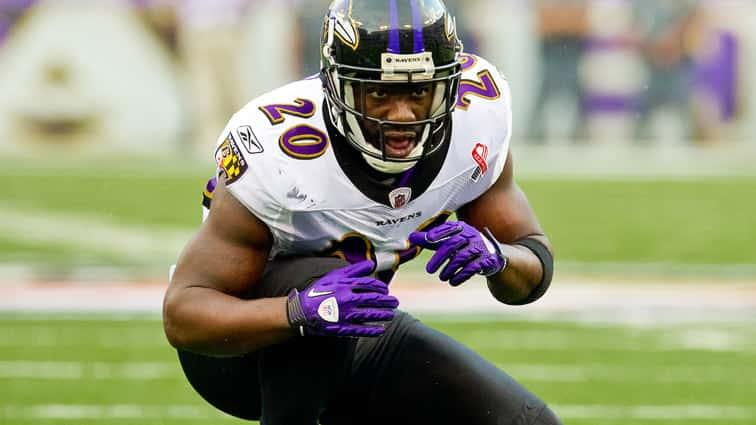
489,237
294,311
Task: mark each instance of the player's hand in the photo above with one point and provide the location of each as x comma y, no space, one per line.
345,302
468,251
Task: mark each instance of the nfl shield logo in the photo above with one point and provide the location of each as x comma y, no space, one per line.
400,197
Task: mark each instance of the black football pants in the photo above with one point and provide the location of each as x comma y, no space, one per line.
410,375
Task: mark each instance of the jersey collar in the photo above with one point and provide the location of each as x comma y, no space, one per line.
381,187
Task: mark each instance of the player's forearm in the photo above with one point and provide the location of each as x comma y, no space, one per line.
522,276
208,322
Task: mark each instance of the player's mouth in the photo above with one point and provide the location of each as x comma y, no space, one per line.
399,144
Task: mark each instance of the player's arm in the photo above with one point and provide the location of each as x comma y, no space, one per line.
505,210
498,236
205,309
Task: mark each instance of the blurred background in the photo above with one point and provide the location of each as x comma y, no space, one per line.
635,123
634,139
143,75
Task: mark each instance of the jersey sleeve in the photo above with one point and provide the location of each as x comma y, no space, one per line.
251,170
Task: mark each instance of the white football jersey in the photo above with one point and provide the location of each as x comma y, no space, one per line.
279,163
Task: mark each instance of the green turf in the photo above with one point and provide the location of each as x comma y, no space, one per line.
104,363
139,197
666,222
688,221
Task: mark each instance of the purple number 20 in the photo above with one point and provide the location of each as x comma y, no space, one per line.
484,88
301,141
301,108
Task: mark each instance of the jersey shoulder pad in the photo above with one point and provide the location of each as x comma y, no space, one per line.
257,149
482,87
483,115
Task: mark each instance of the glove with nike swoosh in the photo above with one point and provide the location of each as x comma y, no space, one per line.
468,251
344,302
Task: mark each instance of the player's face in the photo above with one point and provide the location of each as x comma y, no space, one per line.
399,103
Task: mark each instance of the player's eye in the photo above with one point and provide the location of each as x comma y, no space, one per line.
421,92
377,93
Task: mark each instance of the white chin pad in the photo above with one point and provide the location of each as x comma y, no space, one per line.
388,167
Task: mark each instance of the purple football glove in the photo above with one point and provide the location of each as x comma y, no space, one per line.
467,251
345,302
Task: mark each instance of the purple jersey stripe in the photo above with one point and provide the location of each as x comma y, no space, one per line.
393,46
417,24
405,178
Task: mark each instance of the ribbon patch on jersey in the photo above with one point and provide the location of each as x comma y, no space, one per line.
480,156
400,197
230,160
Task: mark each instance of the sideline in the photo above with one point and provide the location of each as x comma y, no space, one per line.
738,414
573,299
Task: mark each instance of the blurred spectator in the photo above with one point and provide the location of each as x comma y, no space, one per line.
612,72
10,12
669,30
562,26
719,63
208,36
311,14
160,17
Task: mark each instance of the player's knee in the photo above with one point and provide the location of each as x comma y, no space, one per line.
547,417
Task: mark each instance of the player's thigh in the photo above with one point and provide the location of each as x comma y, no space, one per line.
233,385
417,375
298,377
229,384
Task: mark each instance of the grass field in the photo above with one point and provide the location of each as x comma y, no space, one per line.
68,216
58,369
136,215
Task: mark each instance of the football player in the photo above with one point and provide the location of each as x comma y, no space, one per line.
280,307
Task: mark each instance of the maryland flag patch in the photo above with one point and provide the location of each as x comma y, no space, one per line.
230,161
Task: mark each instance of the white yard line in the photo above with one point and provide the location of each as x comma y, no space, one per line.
92,233
660,269
744,414
533,372
115,411
648,303
63,371
605,162
658,413
620,373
